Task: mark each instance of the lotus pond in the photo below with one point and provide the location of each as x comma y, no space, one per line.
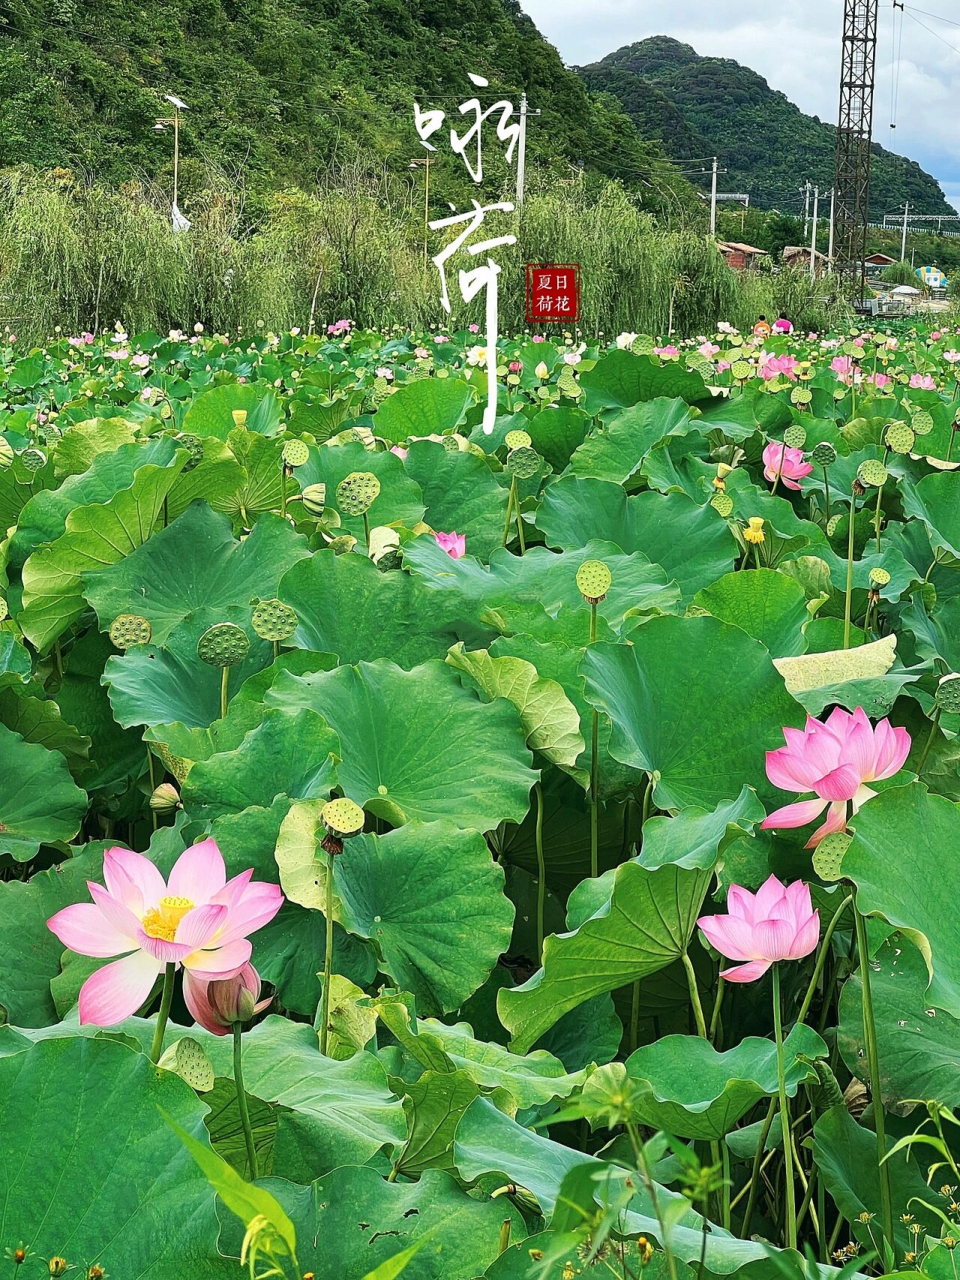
521,855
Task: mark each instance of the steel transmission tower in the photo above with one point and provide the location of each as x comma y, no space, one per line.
854,134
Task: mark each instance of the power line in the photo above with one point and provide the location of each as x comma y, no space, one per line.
931,32
936,16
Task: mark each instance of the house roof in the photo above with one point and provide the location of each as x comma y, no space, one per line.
726,245
880,259
793,250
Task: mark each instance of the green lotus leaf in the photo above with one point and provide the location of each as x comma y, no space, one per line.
616,450
765,604
399,500
556,432
196,566
217,481
39,801
433,1105
428,896
430,406
461,494
82,698
416,744
696,703
18,484
620,379
132,1207
936,501
259,490
83,442
40,720
211,413
697,837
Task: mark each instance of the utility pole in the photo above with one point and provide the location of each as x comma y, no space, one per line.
713,199
806,208
903,238
813,237
180,223
522,146
415,164
854,133
833,210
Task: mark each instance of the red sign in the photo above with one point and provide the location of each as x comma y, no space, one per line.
553,292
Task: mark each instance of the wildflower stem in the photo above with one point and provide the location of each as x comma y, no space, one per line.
791,1208
166,999
873,1062
849,591
327,959
242,1101
694,996
929,742
650,1187
541,871
594,769
506,521
224,685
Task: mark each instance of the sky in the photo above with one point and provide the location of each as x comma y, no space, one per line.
795,45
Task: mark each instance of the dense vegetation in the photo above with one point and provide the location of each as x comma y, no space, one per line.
714,106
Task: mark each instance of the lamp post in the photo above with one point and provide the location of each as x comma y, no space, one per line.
415,164
180,223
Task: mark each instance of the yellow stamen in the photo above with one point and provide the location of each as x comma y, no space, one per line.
162,921
754,531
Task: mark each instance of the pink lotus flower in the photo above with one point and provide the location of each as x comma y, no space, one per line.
217,1004
198,920
454,544
708,349
399,451
792,469
776,923
773,366
835,759
668,352
922,382
843,367
515,366
880,380
473,328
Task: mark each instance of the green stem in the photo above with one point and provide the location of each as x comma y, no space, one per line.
647,802
849,594
634,1014
878,514
650,1187
715,1015
822,958
166,999
504,1244
506,522
791,1207
783,456
153,786
755,1171
58,659
541,872
366,531
224,685
594,770
756,554
929,742
283,490
516,507
327,959
242,1102
826,488
694,996
873,1062
725,1202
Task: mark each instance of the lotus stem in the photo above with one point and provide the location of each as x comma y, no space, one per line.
366,531
242,1101
694,996
877,516
541,871
755,1171
826,490
634,1014
776,479
594,769
506,522
327,959
822,958
224,686
504,1244
166,999
849,591
791,1213
929,742
283,490
153,786
523,545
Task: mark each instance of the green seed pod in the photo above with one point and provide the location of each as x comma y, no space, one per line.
828,855
223,645
193,446
948,694
314,499
274,620
568,384
239,417
879,577
795,437
4,609
342,543
741,370
922,422
342,818
357,492
824,454
872,472
833,524
723,503
33,459
187,1059
6,453
524,463
517,440
165,798
295,453
129,629
801,395
451,443
391,559
838,394
593,580
900,437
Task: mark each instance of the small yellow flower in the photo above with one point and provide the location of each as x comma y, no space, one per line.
866,1217
754,530
645,1249
906,1217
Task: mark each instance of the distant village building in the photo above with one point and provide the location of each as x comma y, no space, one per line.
875,263
741,257
798,255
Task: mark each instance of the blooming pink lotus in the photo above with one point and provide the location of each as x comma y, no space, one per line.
773,366
922,382
454,544
776,923
217,1004
790,470
835,759
198,920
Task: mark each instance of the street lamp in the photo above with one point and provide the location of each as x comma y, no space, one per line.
180,223
415,164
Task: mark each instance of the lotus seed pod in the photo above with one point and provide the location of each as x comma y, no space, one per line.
948,694
33,459
187,1059
723,503
824,454
342,543
223,645
795,437
922,422
357,492
274,620
239,417
4,609
568,384
828,855
342,818
517,440
451,443
194,447
850,349
129,629
872,472
879,577
165,798
314,499
593,580
523,463
741,370
801,395
295,453
833,524
392,558
900,437
6,452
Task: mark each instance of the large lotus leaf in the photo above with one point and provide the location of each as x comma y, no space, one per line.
696,703
765,604
44,518
83,700
461,494
616,450
691,543
416,744
398,502
837,667
261,461
936,501
354,1220
430,406
487,1141
919,1047
211,413
287,754
902,572
39,801
556,431
217,480
40,720
639,922
83,442
18,484
195,566
936,633
433,1105
14,658
550,719
53,577
620,379
739,417
684,1086
348,607
345,1107
903,863
543,577
91,1171
697,837
428,896
164,683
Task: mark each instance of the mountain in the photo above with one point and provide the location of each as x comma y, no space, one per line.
286,92
703,106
